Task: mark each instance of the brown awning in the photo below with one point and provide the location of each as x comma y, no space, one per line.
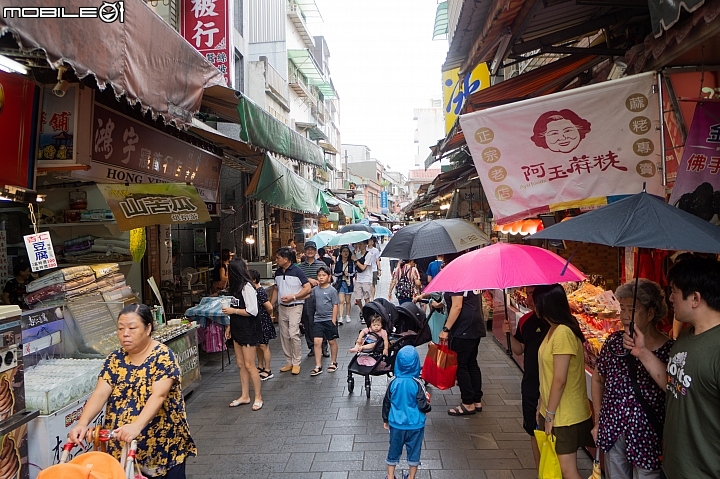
541,81
141,57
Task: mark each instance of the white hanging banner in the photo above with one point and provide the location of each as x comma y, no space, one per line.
40,251
584,147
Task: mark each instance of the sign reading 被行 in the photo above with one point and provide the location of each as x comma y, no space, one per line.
568,150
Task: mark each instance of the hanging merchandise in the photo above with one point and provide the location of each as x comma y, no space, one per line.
138,242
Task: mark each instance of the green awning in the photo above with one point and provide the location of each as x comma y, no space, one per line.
307,65
350,211
277,185
261,129
440,30
328,90
430,160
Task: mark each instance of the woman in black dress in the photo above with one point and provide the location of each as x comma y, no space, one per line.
245,330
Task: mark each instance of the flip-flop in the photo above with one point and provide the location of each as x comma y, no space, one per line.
237,403
257,406
460,410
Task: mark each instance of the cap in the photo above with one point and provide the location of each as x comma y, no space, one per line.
310,244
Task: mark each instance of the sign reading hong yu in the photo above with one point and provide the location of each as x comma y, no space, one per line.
568,150
136,206
205,24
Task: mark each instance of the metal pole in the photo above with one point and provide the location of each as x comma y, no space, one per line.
662,135
507,318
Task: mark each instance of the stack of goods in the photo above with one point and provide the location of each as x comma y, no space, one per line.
54,383
89,249
598,313
74,282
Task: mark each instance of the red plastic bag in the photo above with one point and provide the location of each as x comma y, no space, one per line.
440,367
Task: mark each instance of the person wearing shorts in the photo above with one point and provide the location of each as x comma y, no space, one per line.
324,310
374,260
363,277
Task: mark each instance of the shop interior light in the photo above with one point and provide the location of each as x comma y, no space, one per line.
41,198
11,66
445,206
307,230
250,239
18,194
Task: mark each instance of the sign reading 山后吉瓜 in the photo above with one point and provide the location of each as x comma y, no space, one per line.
572,149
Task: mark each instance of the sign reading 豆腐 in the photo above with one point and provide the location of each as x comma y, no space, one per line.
205,26
137,206
40,251
568,150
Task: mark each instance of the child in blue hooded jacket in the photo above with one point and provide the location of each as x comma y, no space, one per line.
404,407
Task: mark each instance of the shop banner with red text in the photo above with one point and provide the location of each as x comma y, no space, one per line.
577,148
137,206
205,24
700,164
16,116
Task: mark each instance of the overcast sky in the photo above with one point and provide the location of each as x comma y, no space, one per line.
383,63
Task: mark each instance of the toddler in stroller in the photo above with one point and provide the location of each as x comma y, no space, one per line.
405,325
368,337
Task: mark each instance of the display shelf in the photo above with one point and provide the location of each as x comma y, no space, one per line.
70,265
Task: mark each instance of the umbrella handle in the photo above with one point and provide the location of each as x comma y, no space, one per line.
509,348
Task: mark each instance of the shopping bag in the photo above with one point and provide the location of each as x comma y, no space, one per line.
440,367
436,323
549,463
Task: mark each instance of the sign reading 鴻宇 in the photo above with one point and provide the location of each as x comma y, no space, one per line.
568,150
137,206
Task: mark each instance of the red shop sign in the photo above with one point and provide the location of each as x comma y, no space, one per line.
205,24
16,115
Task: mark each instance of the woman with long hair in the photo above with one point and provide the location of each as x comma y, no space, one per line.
220,272
564,409
344,273
245,329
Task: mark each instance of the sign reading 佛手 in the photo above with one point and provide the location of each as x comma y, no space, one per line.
40,251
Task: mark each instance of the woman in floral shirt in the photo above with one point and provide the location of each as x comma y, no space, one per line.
623,431
141,384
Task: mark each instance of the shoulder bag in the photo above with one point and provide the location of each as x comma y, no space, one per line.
652,418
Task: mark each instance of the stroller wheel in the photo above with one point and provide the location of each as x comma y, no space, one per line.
351,384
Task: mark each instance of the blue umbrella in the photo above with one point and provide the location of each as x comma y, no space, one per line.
381,230
321,239
349,238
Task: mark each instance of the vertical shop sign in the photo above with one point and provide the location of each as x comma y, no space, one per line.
58,125
3,256
698,173
456,90
205,25
16,118
40,251
166,267
384,202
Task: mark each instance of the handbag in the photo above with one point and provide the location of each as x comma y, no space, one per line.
436,322
652,418
549,463
440,366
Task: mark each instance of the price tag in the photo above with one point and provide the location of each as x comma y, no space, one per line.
40,251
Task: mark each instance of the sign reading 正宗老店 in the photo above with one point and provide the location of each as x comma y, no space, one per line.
136,206
40,251
568,150
700,162
127,151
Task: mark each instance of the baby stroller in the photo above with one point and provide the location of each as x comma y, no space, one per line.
405,325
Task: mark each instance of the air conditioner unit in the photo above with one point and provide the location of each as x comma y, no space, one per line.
265,269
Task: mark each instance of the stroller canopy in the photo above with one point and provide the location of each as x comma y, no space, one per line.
385,309
410,318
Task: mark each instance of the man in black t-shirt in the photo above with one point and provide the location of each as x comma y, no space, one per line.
528,336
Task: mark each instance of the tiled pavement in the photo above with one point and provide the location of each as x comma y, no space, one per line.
312,428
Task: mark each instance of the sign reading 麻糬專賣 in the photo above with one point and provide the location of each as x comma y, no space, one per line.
137,206
571,149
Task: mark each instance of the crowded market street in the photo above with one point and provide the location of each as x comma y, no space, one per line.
311,428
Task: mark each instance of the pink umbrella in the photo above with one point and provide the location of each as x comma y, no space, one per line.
502,266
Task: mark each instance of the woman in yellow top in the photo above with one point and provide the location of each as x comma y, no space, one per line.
140,382
564,408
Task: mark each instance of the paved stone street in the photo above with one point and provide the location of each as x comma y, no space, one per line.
312,428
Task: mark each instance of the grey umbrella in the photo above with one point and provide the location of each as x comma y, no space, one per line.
642,221
434,237
356,227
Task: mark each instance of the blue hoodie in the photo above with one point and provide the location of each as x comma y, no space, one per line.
406,403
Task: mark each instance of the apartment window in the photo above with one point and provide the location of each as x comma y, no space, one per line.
238,16
239,72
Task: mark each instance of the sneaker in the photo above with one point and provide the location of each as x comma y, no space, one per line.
340,320
286,368
347,319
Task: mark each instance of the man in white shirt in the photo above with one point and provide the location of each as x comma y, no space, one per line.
363,274
373,257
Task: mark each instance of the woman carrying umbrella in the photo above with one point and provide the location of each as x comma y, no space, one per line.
464,327
563,410
344,273
623,428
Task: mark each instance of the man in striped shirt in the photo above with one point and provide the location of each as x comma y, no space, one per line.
310,266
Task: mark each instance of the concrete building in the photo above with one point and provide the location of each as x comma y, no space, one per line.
355,153
429,129
418,177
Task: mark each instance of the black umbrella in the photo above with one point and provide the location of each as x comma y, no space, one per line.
642,221
434,237
356,227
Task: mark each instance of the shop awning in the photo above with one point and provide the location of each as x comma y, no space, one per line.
440,29
304,61
275,184
229,145
350,211
327,89
141,57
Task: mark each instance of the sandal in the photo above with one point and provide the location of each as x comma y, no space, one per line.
316,371
461,410
478,407
257,405
238,402
265,375
333,367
